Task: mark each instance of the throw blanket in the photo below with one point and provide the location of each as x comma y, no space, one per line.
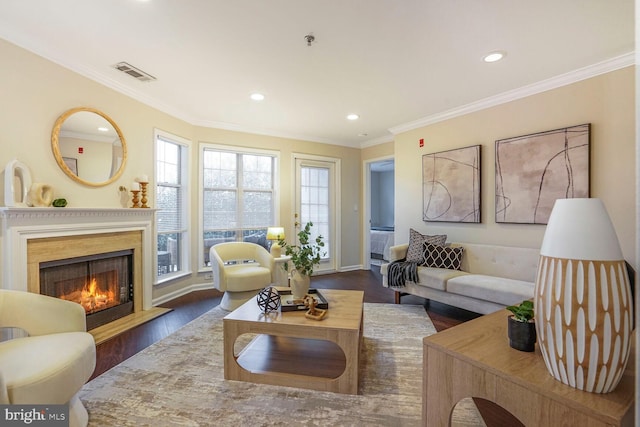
401,271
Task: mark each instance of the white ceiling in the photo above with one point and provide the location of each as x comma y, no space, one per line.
393,62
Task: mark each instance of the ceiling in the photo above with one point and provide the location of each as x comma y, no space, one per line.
392,62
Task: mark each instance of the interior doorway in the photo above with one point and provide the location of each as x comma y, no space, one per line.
379,221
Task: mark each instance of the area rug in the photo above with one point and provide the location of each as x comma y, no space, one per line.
179,381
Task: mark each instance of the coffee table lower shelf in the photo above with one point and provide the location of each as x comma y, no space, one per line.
292,362
268,354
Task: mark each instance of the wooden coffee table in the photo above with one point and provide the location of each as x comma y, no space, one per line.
291,350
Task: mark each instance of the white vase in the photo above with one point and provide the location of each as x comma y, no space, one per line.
583,303
299,285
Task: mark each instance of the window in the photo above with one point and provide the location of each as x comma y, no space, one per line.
238,196
171,201
314,202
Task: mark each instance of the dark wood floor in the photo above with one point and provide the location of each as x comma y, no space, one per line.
188,307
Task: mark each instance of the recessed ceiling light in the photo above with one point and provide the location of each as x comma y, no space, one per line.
353,117
101,129
363,134
257,96
493,56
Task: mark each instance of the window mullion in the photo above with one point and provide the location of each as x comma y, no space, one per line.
240,198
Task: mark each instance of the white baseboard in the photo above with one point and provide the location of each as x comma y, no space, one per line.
180,292
350,268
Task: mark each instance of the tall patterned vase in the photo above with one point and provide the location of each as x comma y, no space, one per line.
583,303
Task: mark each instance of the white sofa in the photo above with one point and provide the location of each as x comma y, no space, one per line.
492,277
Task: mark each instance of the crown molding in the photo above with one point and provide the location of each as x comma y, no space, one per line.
377,141
71,64
584,73
268,132
571,77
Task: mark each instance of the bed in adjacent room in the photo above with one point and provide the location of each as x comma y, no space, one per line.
382,239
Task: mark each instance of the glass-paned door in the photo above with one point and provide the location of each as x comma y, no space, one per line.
316,202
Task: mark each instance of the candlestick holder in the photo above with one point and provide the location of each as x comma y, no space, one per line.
143,188
134,199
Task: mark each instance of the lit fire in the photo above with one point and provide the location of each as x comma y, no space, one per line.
92,300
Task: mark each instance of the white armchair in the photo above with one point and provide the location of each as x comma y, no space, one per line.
240,270
52,363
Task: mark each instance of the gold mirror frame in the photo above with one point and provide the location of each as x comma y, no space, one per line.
55,146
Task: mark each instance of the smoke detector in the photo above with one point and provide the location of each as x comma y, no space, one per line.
134,72
310,38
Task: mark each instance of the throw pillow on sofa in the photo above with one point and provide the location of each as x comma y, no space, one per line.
439,256
416,242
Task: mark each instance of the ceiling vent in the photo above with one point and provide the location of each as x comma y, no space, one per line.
134,72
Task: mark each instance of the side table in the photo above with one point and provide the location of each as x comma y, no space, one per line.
474,359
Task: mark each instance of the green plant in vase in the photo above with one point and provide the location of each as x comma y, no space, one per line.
521,328
305,256
522,312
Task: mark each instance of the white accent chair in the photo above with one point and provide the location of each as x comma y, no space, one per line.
53,359
240,270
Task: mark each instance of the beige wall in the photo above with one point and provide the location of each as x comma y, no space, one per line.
34,96
37,91
377,151
606,101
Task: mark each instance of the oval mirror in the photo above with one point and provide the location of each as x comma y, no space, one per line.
89,146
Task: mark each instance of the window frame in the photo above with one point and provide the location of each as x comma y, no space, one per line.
238,151
185,175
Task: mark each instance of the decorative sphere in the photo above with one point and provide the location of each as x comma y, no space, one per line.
268,299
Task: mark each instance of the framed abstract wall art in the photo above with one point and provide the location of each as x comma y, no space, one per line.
532,171
451,185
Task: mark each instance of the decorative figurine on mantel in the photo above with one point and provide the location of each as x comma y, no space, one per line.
40,195
143,180
135,198
313,313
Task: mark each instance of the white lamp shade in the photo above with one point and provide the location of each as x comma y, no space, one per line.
275,233
581,229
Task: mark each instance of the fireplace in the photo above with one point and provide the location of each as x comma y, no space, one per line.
30,237
101,283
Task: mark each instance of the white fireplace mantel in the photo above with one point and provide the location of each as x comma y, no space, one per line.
19,225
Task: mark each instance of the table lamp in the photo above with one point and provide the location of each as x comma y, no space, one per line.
275,234
583,302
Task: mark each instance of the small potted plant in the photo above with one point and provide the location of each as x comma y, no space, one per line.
304,257
521,326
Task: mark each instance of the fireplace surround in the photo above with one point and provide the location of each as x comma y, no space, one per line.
31,236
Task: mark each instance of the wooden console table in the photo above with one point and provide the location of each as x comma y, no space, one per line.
474,360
